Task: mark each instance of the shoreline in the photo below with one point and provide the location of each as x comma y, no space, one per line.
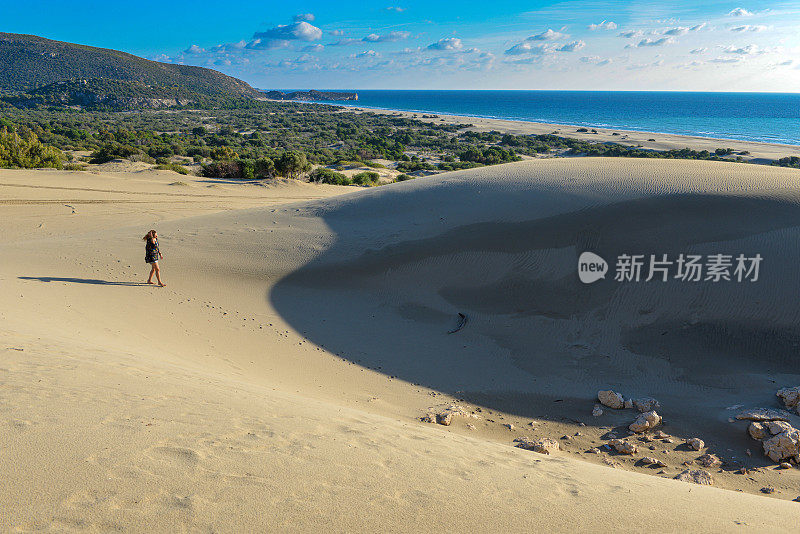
760,152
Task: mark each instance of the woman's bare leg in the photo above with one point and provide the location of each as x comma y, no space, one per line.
158,274
152,270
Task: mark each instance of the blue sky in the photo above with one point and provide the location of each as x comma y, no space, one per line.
637,45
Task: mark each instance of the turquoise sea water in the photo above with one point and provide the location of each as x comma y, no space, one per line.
765,117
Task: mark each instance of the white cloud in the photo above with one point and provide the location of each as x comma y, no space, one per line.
280,36
605,25
726,60
596,60
390,37
366,54
314,48
630,34
571,47
655,42
395,9
785,63
677,31
523,61
407,51
344,42
749,28
194,49
528,48
698,50
739,12
743,50
639,66
448,43
548,35
337,33
308,17
698,27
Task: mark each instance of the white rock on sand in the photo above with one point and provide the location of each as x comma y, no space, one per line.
696,477
623,447
781,440
783,446
645,422
597,411
763,414
709,460
542,446
445,417
652,462
695,443
790,396
757,430
611,399
646,404
776,427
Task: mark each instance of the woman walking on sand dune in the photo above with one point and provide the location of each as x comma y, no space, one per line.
151,255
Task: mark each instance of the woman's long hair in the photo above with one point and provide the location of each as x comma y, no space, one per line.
149,235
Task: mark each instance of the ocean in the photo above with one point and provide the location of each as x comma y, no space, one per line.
764,117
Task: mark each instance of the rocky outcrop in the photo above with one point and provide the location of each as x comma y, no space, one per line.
445,417
790,396
646,404
542,446
623,447
611,399
646,421
696,477
652,462
781,441
695,444
763,414
597,411
783,446
709,460
757,430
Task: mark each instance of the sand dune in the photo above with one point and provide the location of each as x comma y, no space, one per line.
277,382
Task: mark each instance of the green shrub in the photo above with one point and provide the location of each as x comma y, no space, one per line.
366,178
111,151
26,151
74,167
223,153
265,168
292,164
174,167
403,178
222,169
374,165
328,176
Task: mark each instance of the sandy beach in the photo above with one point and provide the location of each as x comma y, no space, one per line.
280,381
758,152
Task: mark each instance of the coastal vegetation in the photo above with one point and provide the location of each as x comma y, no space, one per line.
286,139
24,150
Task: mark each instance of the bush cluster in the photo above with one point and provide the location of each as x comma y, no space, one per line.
26,151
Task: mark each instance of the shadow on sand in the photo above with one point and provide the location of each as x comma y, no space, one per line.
92,281
538,342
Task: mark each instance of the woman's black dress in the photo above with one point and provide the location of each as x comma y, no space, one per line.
151,251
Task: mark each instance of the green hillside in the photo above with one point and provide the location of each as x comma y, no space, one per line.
29,63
